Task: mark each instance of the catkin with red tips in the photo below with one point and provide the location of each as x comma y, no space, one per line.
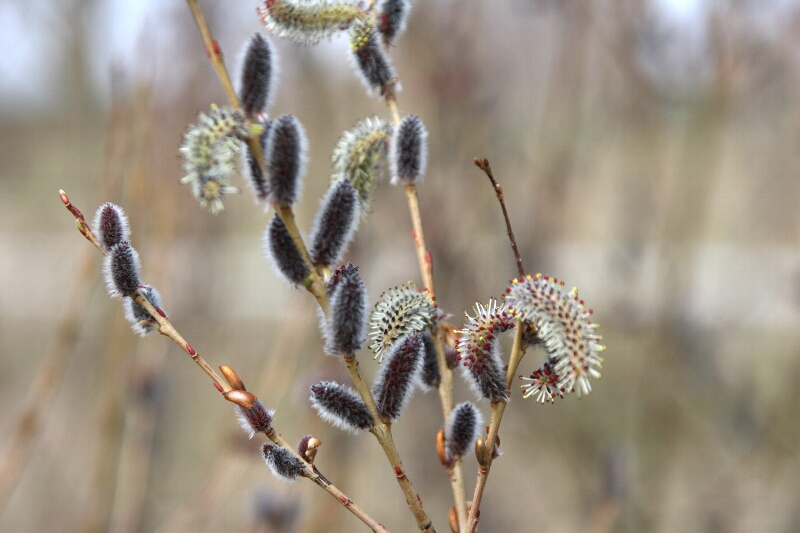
391,19
396,376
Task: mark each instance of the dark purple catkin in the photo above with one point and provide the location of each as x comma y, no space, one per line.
464,425
430,378
258,75
339,274
283,254
257,419
408,153
345,329
121,270
285,154
252,170
281,462
110,226
340,406
370,61
334,224
396,376
142,322
392,16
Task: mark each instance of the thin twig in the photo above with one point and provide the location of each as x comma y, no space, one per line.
483,164
165,327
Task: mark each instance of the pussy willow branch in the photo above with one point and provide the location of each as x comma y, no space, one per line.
214,52
517,353
445,389
317,286
166,328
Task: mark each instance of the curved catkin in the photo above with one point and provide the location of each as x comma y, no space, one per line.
408,153
345,329
121,269
334,224
281,462
110,225
307,22
479,350
258,76
142,322
257,419
401,311
396,376
285,155
370,61
392,16
341,406
280,250
430,377
464,425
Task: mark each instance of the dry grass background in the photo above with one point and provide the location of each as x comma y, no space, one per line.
657,174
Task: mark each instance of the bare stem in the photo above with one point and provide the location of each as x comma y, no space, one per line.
483,164
498,408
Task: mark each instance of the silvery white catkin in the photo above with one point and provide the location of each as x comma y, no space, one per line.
396,376
280,250
334,224
110,225
258,75
345,328
142,322
121,269
281,462
285,155
408,153
341,406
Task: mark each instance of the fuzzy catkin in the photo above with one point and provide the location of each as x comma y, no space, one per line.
257,78
464,425
280,250
307,22
257,419
285,155
396,376
341,406
121,268
392,16
251,169
110,225
141,321
345,328
281,462
334,224
370,61
408,154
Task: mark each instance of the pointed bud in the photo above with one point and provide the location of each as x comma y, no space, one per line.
250,167
463,426
334,224
307,447
257,419
121,269
369,59
142,322
110,225
281,462
258,75
480,451
441,447
285,154
345,330
340,406
452,519
242,398
392,16
408,153
280,250
430,378
232,377
394,382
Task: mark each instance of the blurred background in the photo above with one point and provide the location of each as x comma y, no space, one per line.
649,151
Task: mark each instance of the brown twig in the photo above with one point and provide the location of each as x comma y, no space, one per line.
483,164
166,328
